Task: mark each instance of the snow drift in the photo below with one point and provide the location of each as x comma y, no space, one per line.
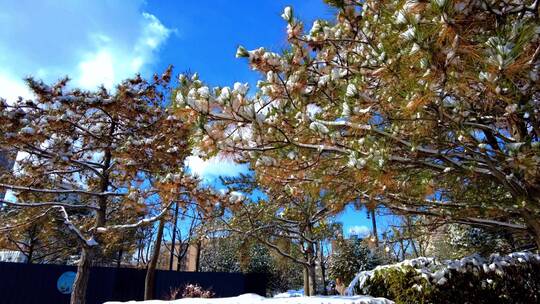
255,299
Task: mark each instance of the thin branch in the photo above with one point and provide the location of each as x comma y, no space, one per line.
48,204
60,191
137,224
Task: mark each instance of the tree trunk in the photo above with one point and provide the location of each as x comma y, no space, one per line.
179,258
306,281
533,223
374,224
507,235
311,259
173,240
323,269
147,253
78,295
402,245
409,230
119,261
139,252
30,251
151,271
312,279
198,256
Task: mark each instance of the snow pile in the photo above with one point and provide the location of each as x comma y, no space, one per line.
290,294
435,271
254,299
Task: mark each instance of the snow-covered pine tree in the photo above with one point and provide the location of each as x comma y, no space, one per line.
83,155
426,107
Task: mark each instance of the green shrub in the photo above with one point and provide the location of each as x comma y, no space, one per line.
402,283
349,257
514,278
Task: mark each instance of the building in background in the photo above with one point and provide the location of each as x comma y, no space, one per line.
187,263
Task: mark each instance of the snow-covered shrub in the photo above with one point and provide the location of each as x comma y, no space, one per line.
196,291
190,291
513,278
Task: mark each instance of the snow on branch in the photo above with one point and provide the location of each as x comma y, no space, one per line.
48,204
60,191
88,242
137,224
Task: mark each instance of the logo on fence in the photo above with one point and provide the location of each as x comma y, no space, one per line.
65,282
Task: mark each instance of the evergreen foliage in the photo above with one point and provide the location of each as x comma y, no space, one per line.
514,278
348,258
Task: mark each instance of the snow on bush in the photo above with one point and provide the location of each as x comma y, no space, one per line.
512,278
254,299
196,291
190,291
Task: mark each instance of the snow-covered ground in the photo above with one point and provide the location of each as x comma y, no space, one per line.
253,298
291,293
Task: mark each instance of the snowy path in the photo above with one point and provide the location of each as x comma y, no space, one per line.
253,298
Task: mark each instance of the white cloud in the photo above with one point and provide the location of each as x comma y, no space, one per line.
11,89
110,62
360,231
93,42
214,167
97,69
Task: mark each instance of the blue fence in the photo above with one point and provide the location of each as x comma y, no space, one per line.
40,284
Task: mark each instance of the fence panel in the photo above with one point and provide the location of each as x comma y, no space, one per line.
38,283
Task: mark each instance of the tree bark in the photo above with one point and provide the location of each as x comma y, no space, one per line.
120,254
179,258
78,295
402,245
311,258
139,252
149,281
306,281
374,224
32,240
312,279
198,256
409,231
533,223
173,240
323,269
147,253
30,251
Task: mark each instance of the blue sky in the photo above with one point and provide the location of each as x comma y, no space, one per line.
210,31
102,42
